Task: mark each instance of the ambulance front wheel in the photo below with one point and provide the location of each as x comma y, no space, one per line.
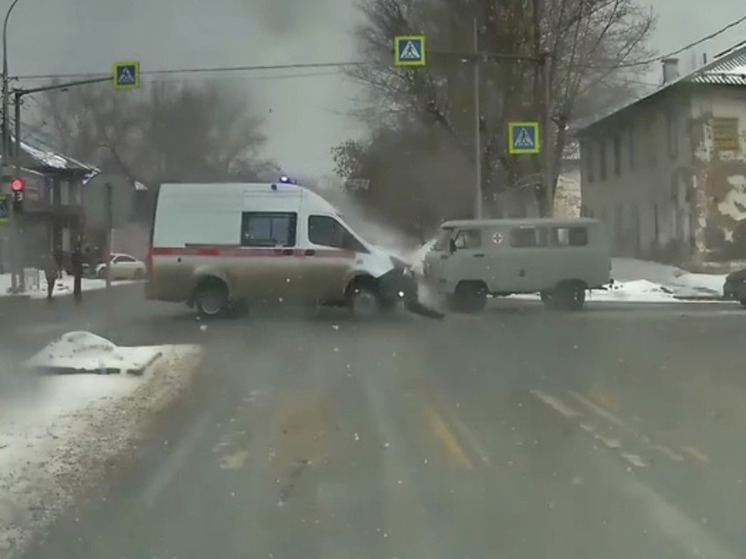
363,298
211,298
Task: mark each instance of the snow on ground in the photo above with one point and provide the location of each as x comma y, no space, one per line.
86,352
635,281
678,281
36,285
59,442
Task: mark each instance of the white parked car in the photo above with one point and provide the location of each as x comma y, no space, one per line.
123,267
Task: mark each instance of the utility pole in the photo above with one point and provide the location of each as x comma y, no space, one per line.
18,261
477,127
547,135
6,151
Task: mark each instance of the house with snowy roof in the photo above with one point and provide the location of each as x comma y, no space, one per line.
53,205
667,172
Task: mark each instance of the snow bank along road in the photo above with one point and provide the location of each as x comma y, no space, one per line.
62,435
520,433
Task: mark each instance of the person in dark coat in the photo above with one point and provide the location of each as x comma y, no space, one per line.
51,272
77,265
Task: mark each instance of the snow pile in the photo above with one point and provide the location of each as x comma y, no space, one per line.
85,352
678,281
635,291
60,442
36,285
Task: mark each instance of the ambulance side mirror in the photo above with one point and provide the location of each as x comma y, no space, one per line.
452,245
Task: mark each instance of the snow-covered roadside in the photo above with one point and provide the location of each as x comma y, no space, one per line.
37,287
61,441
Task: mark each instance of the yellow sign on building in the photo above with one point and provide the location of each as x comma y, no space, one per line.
725,134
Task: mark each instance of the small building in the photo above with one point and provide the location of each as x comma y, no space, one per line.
52,209
667,172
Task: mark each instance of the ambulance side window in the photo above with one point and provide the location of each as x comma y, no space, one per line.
268,229
327,231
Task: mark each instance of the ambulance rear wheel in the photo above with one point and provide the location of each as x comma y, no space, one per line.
211,299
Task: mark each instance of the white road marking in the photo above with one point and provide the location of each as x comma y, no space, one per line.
607,415
556,404
686,532
634,459
667,451
610,443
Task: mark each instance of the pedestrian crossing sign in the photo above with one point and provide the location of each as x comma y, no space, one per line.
523,138
126,75
409,50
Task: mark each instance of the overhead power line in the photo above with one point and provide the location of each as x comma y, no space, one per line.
202,70
698,42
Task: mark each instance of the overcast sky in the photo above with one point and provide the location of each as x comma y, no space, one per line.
305,116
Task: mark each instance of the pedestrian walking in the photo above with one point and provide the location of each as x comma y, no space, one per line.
51,272
77,265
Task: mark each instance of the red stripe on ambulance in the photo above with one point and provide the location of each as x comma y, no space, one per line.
234,251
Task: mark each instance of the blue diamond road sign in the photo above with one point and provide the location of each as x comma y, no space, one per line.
523,138
126,75
409,50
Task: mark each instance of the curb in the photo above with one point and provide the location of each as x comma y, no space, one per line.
107,371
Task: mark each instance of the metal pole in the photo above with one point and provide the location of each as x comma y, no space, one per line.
548,137
6,146
109,227
477,128
18,220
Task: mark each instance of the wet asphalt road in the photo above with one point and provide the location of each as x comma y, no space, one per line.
613,433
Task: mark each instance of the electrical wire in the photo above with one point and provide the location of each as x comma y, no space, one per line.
698,42
201,70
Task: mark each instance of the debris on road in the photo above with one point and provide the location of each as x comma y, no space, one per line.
60,441
83,352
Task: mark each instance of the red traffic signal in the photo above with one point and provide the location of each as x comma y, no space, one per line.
18,185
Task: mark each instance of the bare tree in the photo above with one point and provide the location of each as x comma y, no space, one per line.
592,44
169,131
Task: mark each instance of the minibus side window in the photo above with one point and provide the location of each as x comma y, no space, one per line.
327,231
528,237
467,239
441,243
268,229
570,236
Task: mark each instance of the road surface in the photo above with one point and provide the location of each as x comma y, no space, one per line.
518,434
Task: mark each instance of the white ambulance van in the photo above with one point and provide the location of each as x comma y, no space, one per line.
559,258
220,246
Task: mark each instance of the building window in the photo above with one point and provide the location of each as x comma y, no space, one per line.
651,141
617,154
268,229
602,159
673,135
725,134
589,160
631,146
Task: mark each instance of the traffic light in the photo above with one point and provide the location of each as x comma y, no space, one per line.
17,189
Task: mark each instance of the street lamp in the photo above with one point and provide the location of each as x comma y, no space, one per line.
6,93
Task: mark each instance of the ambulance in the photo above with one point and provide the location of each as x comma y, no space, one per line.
223,246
